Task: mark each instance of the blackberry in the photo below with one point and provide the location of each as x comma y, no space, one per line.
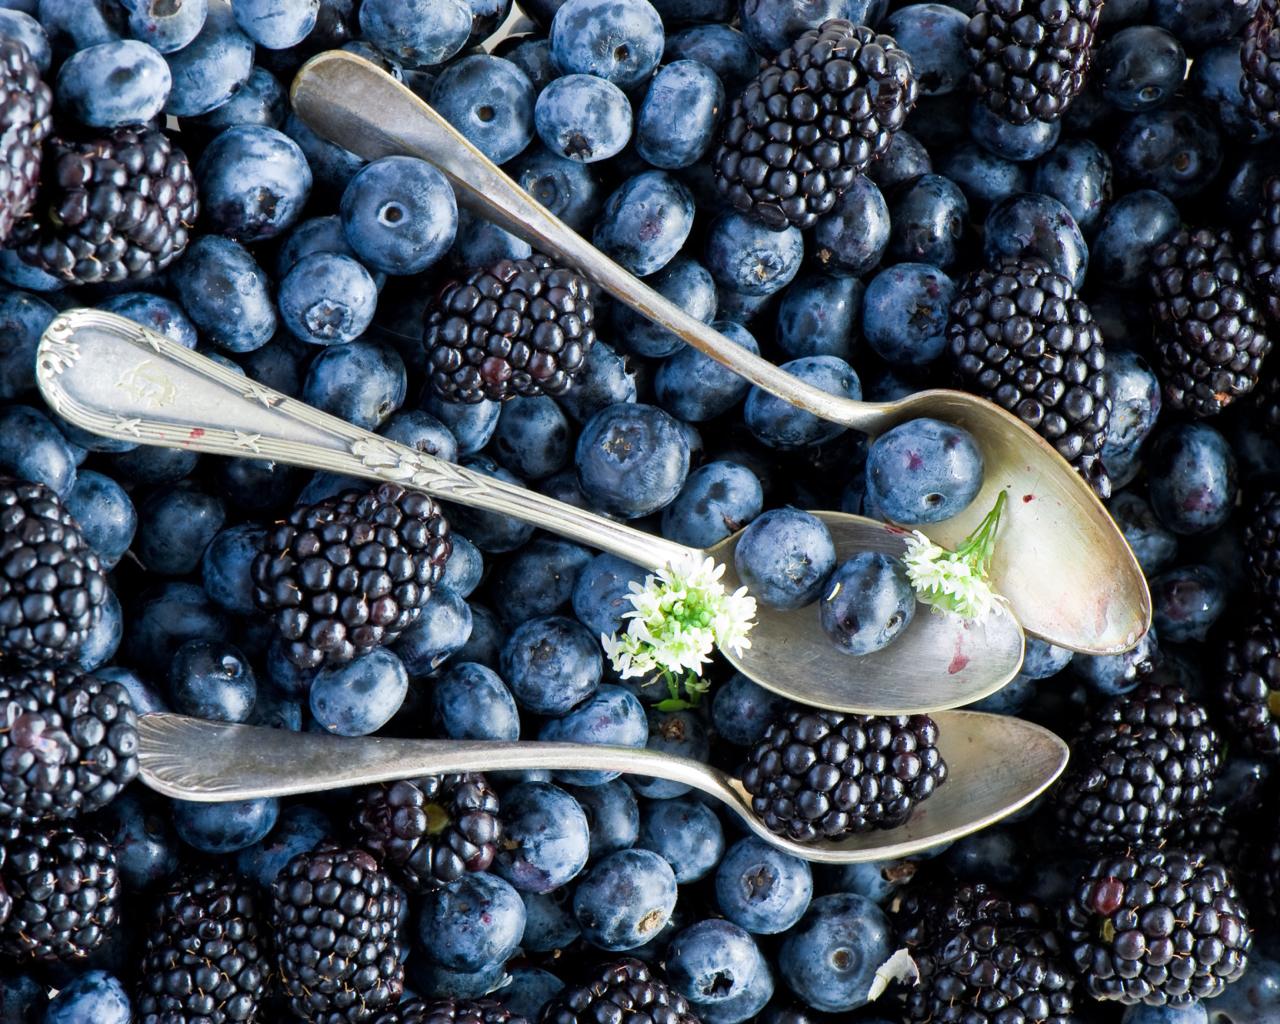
206,959
1208,329
1260,64
1142,762
26,118
69,743
432,830
1028,58
334,925
117,206
350,573
52,587
983,958
814,117
1262,550
1017,335
451,1011
1262,248
64,887
1249,687
823,774
1156,926
623,990
514,328
1211,835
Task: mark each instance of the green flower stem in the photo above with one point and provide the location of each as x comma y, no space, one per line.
978,548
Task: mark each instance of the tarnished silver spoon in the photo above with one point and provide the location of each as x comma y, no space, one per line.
1065,568
111,376
995,765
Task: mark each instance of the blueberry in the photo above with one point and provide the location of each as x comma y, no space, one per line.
529,990
678,119
17,272
625,899
105,514
746,257
1140,67
114,84
418,32
424,433
471,702
761,889
685,832
465,568
434,981
224,827
145,842
208,70
488,635
490,101
491,532
742,710
1192,475
773,25
983,177
316,234
532,55
546,837
297,830
533,439
471,924
924,471
162,315
288,678
670,732
1255,1000
617,40
480,244
442,627
1131,229
146,700
694,388
1012,141
225,293
1112,674
997,854
472,425
934,36
92,996
18,22
904,313
1194,1012
254,183
210,679
1034,225
175,525
332,167
1199,24
362,382
605,380
564,185
719,968
644,222
1187,602
820,316
1215,82
1174,149
1077,173
276,24
399,214
683,281
779,424
632,459
717,501
104,638
867,602
829,958
1134,391
784,557
327,299
551,664
613,816
583,118
1043,659
600,596
905,160
538,579
361,696
927,221
851,238
611,716
32,448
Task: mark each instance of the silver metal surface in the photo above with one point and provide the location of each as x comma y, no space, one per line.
111,376
996,764
1065,567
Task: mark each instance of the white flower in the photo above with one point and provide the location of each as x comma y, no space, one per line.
956,581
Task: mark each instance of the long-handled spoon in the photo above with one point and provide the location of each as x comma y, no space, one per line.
995,765
111,376
1065,568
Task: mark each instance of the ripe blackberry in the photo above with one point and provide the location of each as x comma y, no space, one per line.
1262,550
52,587
26,118
1249,687
623,990
983,958
1209,834
1142,762
64,887
1017,335
206,959
334,925
814,117
115,207
69,743
1260,63
823,774
432,830
350,573
451,1011
517,327
1156,926
1208,330
1028,58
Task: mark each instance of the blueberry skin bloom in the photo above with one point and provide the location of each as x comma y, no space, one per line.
934,36
164,26
904,313
471,702
327,299
1140,67
1077,174
418,33
254,183
1031,224
472,923
225,293
924,471
819,316
927,220
490,101
546,837
114,84
1193,478
224,826
93,996
208,71
617,40
779,424
612,716
685,282
851,238
1175,149
645,222
276,24
210,679
551,664
717,500
678,119
714,964
761,889
361,696
867,603
1131,229
746,257
693,387
105,513
632,459
399,214
583,118
362,382
830,958
625,900
784,557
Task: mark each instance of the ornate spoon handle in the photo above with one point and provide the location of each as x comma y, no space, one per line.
140,386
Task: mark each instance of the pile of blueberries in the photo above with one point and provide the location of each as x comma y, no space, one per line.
312,271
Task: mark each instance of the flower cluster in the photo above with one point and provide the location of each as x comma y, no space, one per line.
956,581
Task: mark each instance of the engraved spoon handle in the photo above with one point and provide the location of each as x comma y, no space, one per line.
113,377
355,104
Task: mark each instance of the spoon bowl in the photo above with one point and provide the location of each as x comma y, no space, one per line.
996,764
1064,566
113,377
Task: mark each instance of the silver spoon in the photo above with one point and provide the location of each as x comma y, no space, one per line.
996,764
111,376
1065,568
